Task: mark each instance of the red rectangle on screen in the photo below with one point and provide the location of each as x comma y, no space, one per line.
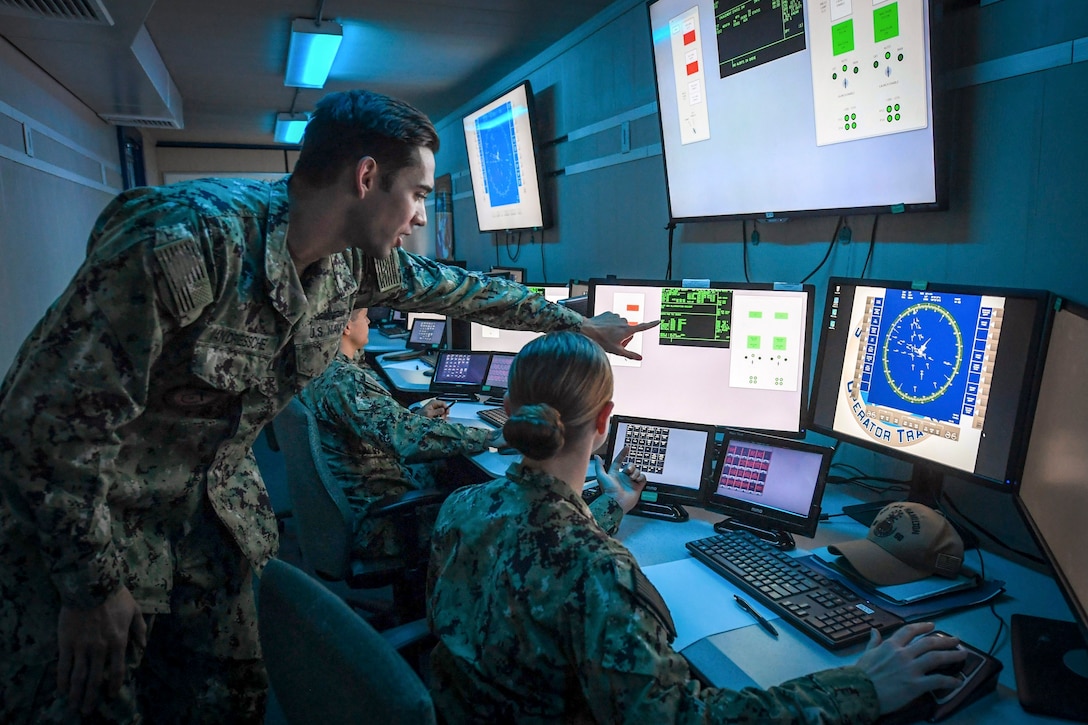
689,37
693,67
632,308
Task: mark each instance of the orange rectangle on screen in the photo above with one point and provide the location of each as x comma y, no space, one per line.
689,37
632,308
693,67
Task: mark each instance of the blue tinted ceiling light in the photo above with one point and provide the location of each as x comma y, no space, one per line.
312,51
290,126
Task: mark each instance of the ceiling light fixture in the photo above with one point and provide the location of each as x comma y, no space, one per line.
312,50
290,126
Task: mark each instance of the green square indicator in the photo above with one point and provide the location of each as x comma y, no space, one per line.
778,343
786,315
885,23
755,315
753,342
842,37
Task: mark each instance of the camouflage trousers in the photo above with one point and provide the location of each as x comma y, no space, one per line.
202,663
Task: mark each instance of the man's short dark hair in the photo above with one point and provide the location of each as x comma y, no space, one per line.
349,125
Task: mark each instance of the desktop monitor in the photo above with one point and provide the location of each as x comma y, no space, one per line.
497,379
768,485
730,354
579,304
426,334
413,316
502,163
578,288
941,375
796,108
460,372
1050,656
675,457
516,274
483,337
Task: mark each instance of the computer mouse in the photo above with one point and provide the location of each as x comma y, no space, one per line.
977,674
428,373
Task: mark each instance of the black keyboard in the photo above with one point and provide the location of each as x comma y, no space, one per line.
495,416
819,606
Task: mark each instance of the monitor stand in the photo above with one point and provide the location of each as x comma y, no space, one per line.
664,511
1051,663
925,488
781,539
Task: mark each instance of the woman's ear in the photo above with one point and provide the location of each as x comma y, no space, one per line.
603,416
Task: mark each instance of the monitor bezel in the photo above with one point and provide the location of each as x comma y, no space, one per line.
808,289
751,514
925,468
667,493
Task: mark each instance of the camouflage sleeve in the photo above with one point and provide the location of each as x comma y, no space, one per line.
429,286
607,512
630,673
58,440
385,423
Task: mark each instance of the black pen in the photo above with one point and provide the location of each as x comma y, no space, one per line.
759,617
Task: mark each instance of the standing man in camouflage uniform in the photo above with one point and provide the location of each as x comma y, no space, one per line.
543,617
133,516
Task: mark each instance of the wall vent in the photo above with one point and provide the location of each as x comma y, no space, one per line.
83,11
122,120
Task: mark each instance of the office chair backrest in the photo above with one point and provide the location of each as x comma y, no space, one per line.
320,508
326,664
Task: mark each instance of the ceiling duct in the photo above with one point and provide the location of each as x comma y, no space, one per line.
84,11
111,65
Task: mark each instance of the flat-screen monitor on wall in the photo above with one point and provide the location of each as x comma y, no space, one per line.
776,108
730,354
943,376
502,162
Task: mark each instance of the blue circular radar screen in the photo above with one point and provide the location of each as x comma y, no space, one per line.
923,354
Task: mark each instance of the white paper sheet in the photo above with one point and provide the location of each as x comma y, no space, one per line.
701,602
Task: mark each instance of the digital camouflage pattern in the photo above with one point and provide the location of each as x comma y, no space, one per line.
127,417
375,447
542,617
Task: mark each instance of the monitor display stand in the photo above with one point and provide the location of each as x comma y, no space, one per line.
925,488
781,539
664,511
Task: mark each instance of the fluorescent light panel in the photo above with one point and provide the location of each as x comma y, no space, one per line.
312,51
290,126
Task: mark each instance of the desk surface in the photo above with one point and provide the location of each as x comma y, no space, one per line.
741,657
379,343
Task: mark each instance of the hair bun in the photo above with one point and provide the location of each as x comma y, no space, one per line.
536,430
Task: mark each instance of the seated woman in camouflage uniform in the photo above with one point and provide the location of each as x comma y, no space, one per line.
543,617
